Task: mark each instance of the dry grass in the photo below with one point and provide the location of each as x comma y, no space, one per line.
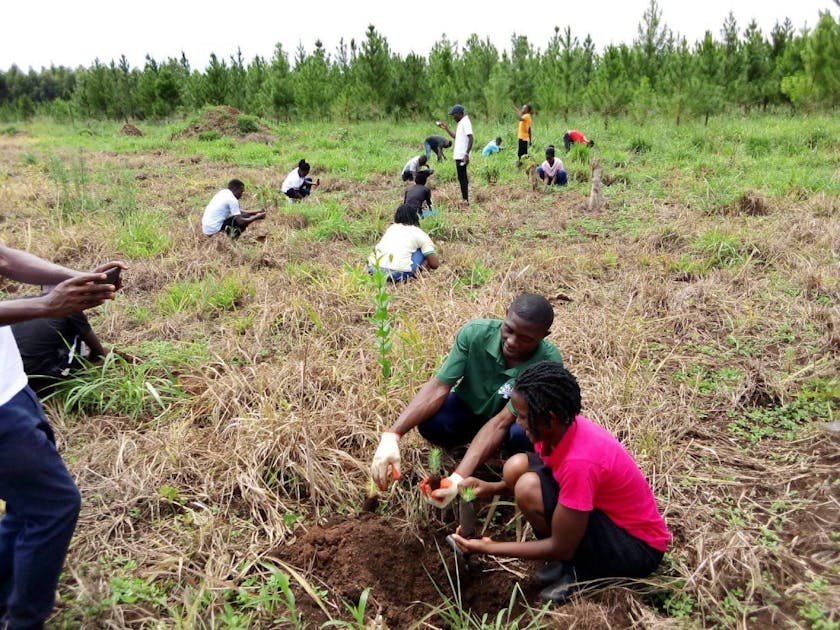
281,419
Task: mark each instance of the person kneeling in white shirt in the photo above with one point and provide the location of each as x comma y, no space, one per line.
223,213
404,248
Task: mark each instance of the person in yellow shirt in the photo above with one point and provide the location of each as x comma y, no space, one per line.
524,133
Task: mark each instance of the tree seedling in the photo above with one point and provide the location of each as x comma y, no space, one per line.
434,468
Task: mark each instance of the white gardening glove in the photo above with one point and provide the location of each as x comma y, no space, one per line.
442,496
387,456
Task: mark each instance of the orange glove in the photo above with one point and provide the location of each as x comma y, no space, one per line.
442,496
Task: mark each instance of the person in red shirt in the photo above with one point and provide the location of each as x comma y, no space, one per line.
591,508
573,136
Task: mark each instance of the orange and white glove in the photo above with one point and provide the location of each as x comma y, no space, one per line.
442,496
386,457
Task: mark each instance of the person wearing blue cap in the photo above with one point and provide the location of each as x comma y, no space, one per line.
463,137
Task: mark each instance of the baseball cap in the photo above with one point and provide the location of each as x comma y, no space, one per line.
456,109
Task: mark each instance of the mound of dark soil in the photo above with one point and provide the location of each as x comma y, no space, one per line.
130,130
401,569
752,205
228,122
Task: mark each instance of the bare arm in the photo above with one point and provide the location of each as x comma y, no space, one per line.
446,128
423,406
27,268
245,218
567,529
487,441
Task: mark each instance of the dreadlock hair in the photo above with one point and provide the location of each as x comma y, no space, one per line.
547,387
534,308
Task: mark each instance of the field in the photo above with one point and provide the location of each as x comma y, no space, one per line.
223,472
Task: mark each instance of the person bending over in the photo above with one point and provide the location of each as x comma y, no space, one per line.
404,248
419,196
573,136
593,513
551,171
223,214
298,184
494,146
436,145
415,165
42,500
465,401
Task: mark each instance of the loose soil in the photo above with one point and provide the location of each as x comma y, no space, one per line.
224,121
407,572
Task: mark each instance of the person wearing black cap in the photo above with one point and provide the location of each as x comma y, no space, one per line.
463,137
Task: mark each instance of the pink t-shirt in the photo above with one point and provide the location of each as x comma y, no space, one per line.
595,471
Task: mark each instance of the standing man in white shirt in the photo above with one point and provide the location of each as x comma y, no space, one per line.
463,145
42,500
223,213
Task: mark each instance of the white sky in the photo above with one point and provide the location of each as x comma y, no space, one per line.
38,33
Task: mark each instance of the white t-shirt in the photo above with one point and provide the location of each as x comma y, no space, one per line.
12,377
550,170
413,165
396,246
463,130
293,180
224,204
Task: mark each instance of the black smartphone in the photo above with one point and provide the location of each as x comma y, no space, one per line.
112,276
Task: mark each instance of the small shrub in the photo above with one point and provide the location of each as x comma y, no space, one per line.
639,145
247,124
209,136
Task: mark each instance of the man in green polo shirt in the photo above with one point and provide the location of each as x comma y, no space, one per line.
466,399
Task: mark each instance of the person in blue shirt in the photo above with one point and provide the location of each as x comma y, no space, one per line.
494,146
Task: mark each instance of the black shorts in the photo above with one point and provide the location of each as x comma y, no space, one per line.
606,550
523,148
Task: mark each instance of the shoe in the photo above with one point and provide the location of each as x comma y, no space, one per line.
561,591
550,573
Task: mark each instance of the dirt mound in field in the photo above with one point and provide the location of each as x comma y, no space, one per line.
752,204
130,130
228,122
400,568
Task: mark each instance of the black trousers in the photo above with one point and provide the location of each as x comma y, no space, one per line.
606,550
523,148
230,227
463,180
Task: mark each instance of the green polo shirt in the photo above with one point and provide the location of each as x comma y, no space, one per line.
478,367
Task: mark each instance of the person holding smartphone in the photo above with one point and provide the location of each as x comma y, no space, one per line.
42,500
463,137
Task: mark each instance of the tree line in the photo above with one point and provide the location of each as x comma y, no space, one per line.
659,73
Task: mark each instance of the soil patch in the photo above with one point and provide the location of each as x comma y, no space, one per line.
130,130
401,568
225,121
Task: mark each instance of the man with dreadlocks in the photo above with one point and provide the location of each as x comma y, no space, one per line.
466,399
591,508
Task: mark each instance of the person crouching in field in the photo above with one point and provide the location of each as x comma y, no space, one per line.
298,184
223,212
593,512
573,136
414,166
551,171
404,248
419,196
494,146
